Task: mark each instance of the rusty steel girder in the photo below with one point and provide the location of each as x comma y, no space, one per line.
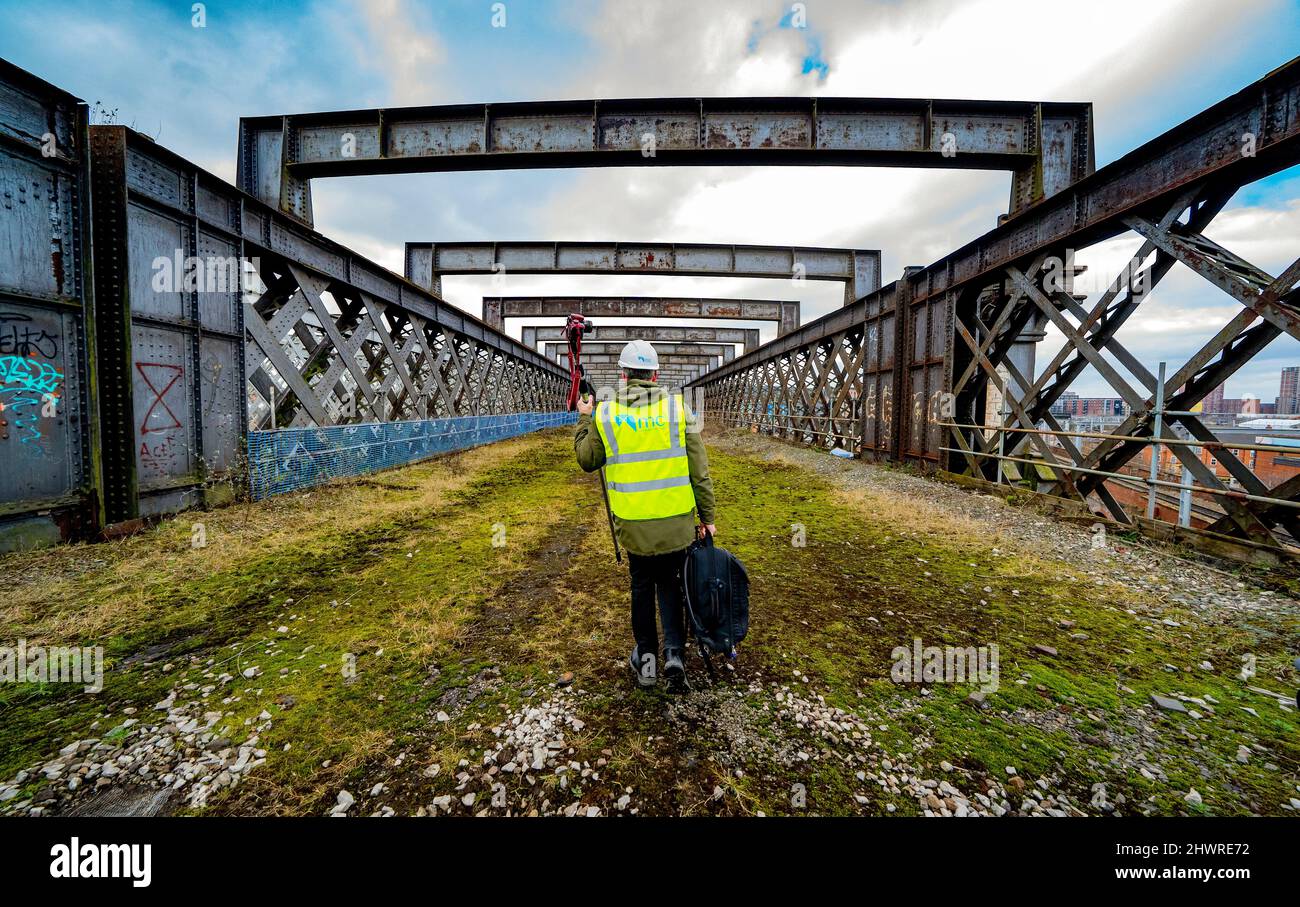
531,335
308,334
1046,146
496,309
50,485
349,358
722,352
858,269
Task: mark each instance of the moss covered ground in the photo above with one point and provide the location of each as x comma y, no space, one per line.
463,588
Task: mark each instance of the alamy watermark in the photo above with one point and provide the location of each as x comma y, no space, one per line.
76,860
975,665
179,273
23,663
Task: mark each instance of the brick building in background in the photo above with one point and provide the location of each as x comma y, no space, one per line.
1214,401
1071,404
1273,467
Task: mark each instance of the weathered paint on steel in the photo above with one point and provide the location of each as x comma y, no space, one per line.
859,269
49,483
785,313
531,335
280,154
1195,168
293,459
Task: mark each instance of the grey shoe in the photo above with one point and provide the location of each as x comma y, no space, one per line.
675,670
643,668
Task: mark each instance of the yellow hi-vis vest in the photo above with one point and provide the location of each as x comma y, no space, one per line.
646,470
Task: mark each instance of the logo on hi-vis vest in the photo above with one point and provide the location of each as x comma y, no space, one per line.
638,423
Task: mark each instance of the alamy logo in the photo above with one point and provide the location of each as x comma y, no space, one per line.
204,274
53,664
946,664
103,861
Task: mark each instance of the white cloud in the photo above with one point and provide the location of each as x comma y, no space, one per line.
396,41
938,49
1267,237
1120,55
1127,58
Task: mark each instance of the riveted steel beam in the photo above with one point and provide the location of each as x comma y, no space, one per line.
1046,146
306,334
1207,147
621,333
724,352
51,445
496,309
858,269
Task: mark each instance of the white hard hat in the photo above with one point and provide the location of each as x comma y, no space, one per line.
639,354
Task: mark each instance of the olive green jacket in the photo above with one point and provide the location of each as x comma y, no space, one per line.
666,534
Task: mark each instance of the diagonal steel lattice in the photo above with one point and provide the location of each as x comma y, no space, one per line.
811,393
1270,307
841,388
910,372
322,353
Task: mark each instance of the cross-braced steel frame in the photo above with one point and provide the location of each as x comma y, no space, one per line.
327,354
810,393
921,356
1172,234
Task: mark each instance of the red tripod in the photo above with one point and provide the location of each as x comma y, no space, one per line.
579,386
574,328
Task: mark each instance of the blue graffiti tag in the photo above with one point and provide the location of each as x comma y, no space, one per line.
24,386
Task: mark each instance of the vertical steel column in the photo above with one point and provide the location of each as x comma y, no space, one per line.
1185,495
1155,442
1002,430
113,324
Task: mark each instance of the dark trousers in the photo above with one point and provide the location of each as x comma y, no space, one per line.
661,574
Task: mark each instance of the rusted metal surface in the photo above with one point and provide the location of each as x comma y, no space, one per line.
902,372
880,377
308,334
531,335
724,352
858,269
957,323
926,342
1046,146
49,481
496,309
176,352
1207,146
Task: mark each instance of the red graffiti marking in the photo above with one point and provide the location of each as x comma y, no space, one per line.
159,405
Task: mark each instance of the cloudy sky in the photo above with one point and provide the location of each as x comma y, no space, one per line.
1144,65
